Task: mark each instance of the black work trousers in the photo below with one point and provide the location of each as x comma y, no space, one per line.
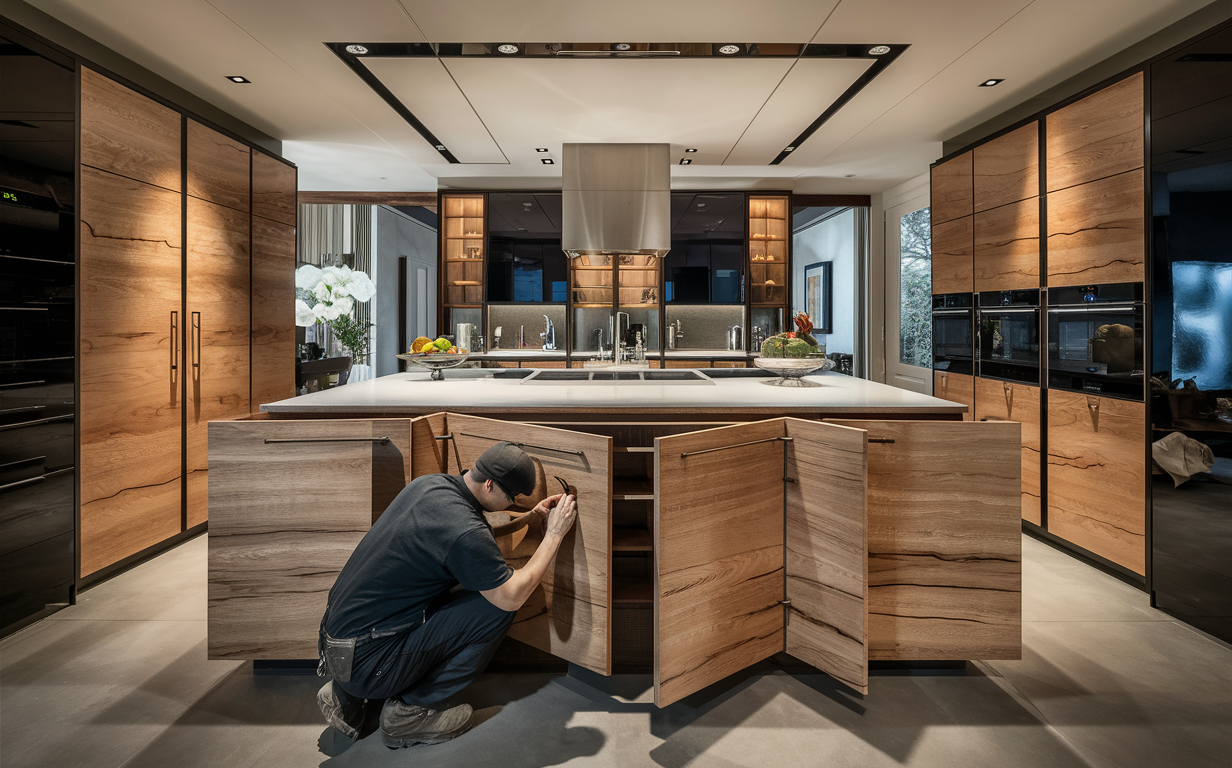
429,664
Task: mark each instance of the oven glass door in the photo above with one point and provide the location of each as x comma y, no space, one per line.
953,341
1096,349
1009,344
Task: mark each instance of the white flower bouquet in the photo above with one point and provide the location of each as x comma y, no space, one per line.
329,295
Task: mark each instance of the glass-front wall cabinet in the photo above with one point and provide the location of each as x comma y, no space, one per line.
527,272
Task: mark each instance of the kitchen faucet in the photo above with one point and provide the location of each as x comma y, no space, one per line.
549,333
598,334
618,338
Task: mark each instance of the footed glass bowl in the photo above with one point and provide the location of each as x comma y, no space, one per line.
791,370
437,362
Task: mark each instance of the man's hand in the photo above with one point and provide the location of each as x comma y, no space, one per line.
561,518
560,511
544,507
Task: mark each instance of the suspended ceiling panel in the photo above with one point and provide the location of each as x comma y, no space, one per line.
545,21
686,103
807,91
426,89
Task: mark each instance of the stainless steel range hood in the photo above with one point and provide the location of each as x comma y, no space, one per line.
617,199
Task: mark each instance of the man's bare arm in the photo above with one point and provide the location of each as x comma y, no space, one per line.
560,511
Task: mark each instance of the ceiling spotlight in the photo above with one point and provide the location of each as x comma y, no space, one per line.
685,161
238,79
789,149
357,50
701,205
879,50
990,82
728,50
507,48
527,205
440,147
690,150
548,161
541,149
623,46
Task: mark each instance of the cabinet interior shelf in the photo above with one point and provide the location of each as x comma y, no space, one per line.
632,540
651,305
634,449
632,490
632,589
463,306
592,305
469,236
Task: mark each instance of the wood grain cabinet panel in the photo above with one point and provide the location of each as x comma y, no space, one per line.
128,134
273,189
1007,401
954,256
1096,232
131,365
944,540
1097,475
273,312
952,191
219,323
1007,247
1006,169
570,614
269,580
1099,136
219,168
957,388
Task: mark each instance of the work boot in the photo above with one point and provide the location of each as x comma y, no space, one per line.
342,710
405,725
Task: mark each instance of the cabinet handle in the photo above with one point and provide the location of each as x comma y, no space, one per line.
881,439
194,342
520,445
22,483
23,409
381,440
740,445
23,384
175,345
1093,407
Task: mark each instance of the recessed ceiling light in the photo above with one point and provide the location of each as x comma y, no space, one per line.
541,149
238,79
358,50
879,50
440,147
701,205
527,205
548,161
623,46
789,149
690,150
990,82
507,48
685,161
728,50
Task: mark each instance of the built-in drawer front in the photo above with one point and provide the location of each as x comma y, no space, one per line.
1007,251
1097,475
34,577
35,509
954,256
1098,136
36,390
1006,401
34,447
1096,232
952,192
957,388
1006,169
31,332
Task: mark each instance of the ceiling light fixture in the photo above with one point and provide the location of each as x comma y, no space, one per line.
238,79
789,149
685,161
440,147
623,46
541,149
879,50
507,48
690,150
990,82
357,50
548,161
728,50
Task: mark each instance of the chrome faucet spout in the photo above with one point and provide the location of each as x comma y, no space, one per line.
549,333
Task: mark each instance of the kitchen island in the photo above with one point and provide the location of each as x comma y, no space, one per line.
721,521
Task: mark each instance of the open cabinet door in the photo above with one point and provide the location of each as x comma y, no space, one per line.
289,501
570,614
945,539
827,549
718,554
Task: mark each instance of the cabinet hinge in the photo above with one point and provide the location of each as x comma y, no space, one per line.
785,603
789,479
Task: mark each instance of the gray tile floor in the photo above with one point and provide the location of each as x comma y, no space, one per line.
121,679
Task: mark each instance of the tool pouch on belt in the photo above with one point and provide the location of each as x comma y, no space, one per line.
338,657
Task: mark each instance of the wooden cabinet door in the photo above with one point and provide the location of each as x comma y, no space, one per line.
953,261
957,388
218,325
827,549
953,193
1006,169
1097,475
1096,232
273,312
944,540
570,613
1006,401
289,501
719,565
1098,136
1007,247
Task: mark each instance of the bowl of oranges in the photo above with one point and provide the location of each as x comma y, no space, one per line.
434,354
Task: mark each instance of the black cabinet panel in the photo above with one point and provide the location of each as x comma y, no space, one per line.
34,577
36,509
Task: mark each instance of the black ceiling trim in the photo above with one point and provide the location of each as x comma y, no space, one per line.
641,51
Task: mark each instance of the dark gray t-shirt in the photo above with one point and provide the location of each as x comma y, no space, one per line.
432,537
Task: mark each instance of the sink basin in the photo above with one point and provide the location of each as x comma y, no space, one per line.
738,373
610,377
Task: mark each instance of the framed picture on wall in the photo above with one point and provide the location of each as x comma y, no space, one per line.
817,295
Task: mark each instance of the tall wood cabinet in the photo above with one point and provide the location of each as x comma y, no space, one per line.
169,274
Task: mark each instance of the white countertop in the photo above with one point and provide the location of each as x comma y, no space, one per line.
475,390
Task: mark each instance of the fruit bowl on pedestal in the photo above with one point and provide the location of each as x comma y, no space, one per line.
792,370
436,362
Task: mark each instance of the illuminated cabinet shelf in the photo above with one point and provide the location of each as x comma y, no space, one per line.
463,258
769,236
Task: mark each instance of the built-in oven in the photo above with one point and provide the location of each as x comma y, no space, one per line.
954,333
1009,336
1095,339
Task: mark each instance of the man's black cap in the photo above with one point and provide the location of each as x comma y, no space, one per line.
509,467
